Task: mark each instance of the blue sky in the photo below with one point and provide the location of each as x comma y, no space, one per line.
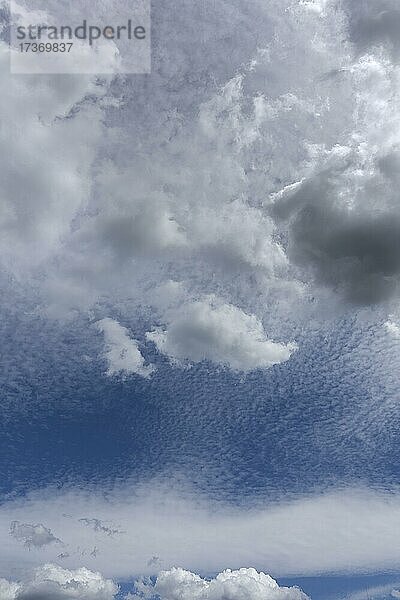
200,325
315,421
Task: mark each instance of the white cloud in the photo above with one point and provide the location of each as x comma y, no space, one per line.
393,328
178,584
48,141
51,582
155,192
121,351
8,590
343,531
210,330
195,211
378,592
317,6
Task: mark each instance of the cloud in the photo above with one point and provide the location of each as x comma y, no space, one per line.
355,254
211,330
121,351
393,328
50,129
317,6
345,531
104,215
154,561
35,536
8,590
178,584
98,525
51,582
375,24
379,592
342,217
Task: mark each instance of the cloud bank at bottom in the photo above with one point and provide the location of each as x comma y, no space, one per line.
53,582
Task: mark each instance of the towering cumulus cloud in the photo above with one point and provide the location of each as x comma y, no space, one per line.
51,582
178,584
282,176
281,182
342,213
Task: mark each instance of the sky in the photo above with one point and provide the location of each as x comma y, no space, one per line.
199,309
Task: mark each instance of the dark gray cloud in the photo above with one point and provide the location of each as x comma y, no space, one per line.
350,243
375,23
360,257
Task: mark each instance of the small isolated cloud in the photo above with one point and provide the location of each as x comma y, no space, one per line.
178,584
222,333
35,536
51,582
121,351
154,561
99,526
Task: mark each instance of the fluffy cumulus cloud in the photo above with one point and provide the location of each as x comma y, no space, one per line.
211,330
8,590
341,215
342,218
280,175
121,351
178,584
51,582
48,137
99,215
